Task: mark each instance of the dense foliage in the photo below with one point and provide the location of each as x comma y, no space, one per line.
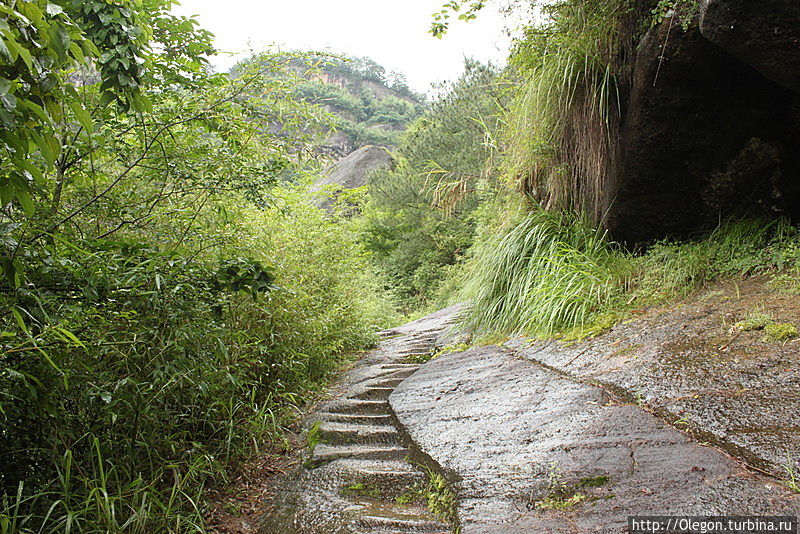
420,221
164,302
540,265
553,274
169,293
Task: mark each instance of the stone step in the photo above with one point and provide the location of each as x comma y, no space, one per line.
398,373
359,406
418,345
378,467
373,393
327,453
425,336
386,480
367,419
399,366
384,334
416,353
380,382
352,433
401,522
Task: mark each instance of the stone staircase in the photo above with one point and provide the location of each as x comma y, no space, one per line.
363,474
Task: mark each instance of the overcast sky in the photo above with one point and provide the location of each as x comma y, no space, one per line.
395,34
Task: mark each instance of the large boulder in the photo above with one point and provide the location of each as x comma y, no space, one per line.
703,136
764,34
351,172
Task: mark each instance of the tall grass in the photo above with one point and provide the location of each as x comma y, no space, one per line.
551,273
736,247
547,272
562,127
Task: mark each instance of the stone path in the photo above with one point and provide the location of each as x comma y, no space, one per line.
688,363
362,466
538,452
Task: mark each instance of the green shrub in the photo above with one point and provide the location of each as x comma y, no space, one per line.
419,221
132,377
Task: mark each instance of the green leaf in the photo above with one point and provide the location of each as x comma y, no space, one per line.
5,52
6,193
26,201
84,119
49,147
9,101
37,110
33,170
54,9
20,321
25,54
77,52
70,336
31,11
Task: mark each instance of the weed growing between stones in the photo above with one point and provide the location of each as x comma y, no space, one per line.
785,283
778,332
773,332
360,489
313,438
449,349
561,496
792,480
436,494
754,321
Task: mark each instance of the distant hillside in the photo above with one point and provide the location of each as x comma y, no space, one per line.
372,106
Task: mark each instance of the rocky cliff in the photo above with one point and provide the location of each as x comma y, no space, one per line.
705,123
351,172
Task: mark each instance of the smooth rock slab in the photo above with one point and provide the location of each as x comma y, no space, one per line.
687,363
513,432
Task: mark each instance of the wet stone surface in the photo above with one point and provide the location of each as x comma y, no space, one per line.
361,464
688,364
538,452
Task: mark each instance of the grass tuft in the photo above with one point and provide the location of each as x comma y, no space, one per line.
551,274
754,321
547,273
778,332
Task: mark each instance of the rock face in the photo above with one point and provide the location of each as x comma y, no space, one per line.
352,171
536,452
688,364
763,34
704,135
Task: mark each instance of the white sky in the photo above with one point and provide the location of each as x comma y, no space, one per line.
394,34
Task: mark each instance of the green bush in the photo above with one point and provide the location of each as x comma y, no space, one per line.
131,377
419,221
